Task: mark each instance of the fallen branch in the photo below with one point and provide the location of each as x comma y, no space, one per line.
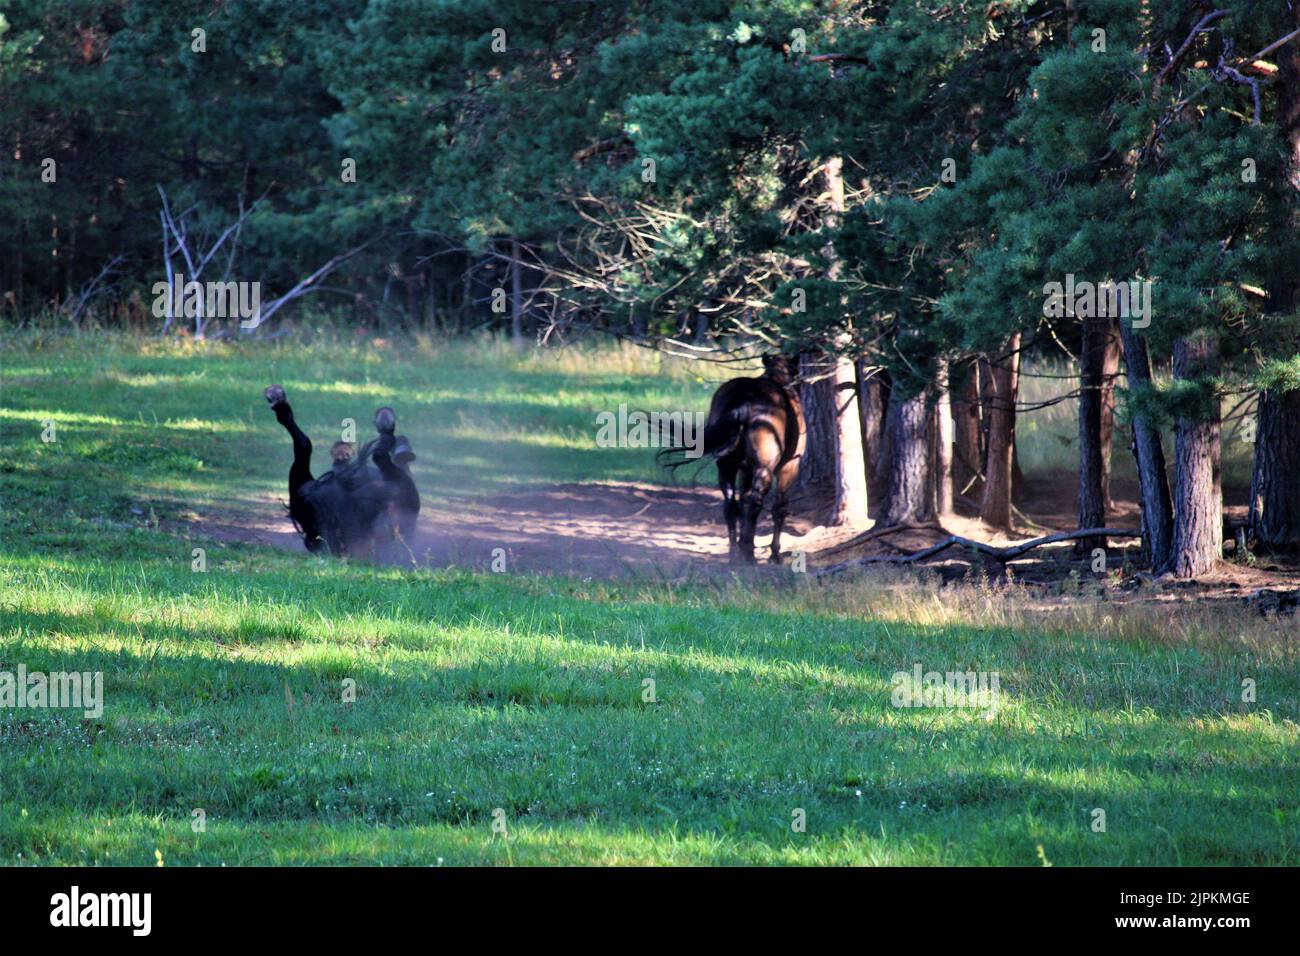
882,531
302,288
1002,555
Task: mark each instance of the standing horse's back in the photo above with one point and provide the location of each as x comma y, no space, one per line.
754,417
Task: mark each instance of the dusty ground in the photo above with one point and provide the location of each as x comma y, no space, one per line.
598,529
613,529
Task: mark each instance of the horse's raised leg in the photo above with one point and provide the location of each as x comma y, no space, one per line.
305,507
405,505
300,470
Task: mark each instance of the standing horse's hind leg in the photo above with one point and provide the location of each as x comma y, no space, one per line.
778,524
785,477
753,507
730,507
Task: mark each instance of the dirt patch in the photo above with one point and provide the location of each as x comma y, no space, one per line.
617,529
602,529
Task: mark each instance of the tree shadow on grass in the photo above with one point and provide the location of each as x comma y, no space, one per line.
507,735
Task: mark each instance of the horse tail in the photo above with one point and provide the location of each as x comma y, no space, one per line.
721,438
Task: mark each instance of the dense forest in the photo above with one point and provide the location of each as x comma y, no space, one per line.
911,197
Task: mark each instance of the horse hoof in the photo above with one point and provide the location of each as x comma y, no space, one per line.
402,453
274,394
385,421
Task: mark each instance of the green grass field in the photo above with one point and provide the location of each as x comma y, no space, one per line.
521,701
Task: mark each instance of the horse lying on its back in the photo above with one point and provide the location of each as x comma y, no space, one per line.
755,433
358,503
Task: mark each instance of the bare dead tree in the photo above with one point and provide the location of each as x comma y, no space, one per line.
198,244
102,282
197,250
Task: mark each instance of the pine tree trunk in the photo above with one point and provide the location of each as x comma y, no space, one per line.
942,431
1275,486
1110,375
516,294
850,506
466,314
1148,448
1198,495
968,432
1018,480
909,476
842,459
1092,492
880,469
871,412
701,326
995,509
818,467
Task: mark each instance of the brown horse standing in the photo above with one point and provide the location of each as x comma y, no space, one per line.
755,433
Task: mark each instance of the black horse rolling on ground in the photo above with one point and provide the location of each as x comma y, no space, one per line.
755,433
361,502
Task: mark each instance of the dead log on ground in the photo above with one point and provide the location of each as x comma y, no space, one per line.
1001,555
